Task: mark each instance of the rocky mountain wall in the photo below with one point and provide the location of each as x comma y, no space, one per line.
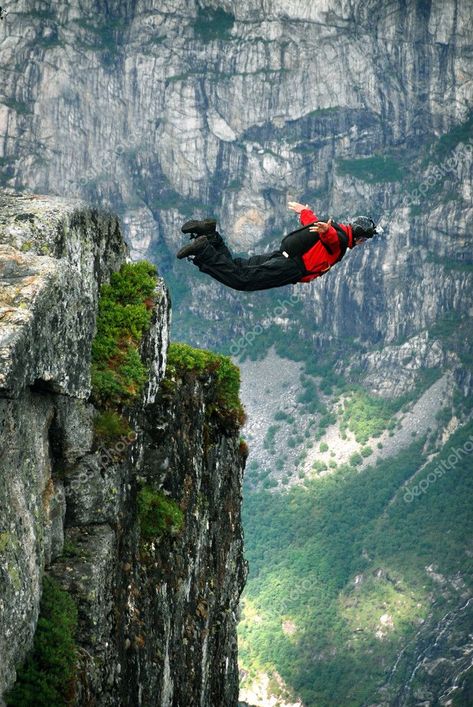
139,105
156,612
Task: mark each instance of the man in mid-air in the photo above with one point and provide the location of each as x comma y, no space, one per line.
304,254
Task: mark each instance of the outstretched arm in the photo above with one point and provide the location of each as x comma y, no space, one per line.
306,215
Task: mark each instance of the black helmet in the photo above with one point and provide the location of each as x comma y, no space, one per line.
363,227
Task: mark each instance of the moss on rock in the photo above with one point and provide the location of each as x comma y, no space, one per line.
46,677
125,310
183,359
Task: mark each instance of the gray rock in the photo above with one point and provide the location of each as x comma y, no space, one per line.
155,620
54,256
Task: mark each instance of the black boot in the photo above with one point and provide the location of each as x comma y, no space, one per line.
193,248
199,228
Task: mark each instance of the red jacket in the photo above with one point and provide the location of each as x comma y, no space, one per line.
318,259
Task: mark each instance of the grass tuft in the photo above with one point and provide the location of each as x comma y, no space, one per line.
158,514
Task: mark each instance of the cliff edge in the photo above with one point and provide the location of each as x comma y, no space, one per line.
120,497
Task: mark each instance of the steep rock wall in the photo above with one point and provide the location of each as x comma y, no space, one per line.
168,110
159,91
157,619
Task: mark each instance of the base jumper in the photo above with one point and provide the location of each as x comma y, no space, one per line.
304,254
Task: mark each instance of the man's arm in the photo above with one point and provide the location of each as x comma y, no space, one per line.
306,215
327,234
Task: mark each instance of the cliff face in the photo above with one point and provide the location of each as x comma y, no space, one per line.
139,105
157,613
170,110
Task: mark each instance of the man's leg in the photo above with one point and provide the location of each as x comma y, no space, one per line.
260,272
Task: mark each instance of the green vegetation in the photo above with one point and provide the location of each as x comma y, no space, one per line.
306,544
372,169
4,541
124,314
47,676
243,447
356,459
367,416
158,514
309,396
72,549
106,37
439,161
39,14
458,134
213,24
184,359
269,439
109,425
464,696
283,416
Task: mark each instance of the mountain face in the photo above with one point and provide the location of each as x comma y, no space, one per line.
348,107
167,111
139,526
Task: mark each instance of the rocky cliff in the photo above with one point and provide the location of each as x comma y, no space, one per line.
140,526
164,111
138,105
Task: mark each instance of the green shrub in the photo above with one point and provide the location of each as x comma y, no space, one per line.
356,459
183,358
328,419
124,314
109,424
367,416
366,452
270,484
47,676
158,514
323,447
280,415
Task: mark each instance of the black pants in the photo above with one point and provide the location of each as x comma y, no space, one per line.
260,272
